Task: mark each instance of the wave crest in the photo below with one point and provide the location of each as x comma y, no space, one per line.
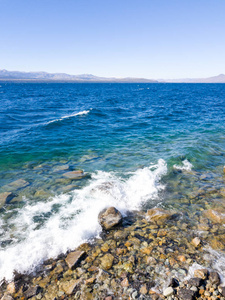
84,112
43,232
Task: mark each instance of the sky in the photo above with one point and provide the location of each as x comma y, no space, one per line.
114,38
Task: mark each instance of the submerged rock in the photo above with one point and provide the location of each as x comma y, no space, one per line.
215,216
201,273
61,168
69,287
74,174
196,241
109,217
18,184
217,244
107,261
214,278
195,281
158,215
5,198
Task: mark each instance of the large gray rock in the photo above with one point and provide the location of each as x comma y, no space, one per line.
195,281
5,198
31,291
186,294
214,278
109,217
73,258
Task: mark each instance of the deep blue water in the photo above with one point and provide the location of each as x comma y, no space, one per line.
126,121
140,145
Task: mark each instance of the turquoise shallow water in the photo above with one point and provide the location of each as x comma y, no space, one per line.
150,144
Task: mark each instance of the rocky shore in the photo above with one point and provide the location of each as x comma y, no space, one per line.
147,255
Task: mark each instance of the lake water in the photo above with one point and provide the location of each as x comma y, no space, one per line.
139,146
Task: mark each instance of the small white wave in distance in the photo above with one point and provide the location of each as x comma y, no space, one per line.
84,112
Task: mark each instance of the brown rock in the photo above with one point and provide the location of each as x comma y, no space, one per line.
125,282
107,261
143,290
93,269
7,297
90,280
222,192
74,174
69,287
109,218
109,298
216,244
182,258
105,247
11,288
120,235
203,227
201,273
215,216
196,241
121,251
146,250
158,215
73,258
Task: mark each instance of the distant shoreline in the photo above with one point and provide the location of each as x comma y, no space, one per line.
88,81
6,75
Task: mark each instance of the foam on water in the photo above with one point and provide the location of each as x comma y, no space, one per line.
216,261
84,112
187,166
45,229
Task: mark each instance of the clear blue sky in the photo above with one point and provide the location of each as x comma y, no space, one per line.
138,38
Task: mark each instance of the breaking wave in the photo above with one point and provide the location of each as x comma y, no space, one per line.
45,229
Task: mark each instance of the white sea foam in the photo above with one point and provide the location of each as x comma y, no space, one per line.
76,218
216,261
187,166
84,112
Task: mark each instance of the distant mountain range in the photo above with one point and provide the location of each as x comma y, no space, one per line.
63,77
44,76
216,79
